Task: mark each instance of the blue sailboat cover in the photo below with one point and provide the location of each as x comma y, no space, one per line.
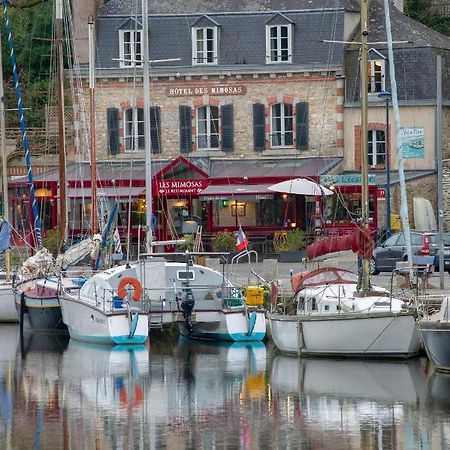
5,235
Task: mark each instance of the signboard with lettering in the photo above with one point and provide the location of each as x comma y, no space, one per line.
412,142
180,187
221,89
345,180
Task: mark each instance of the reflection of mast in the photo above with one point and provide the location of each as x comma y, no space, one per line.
61,125
5,204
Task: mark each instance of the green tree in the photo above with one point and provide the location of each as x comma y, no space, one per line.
32,30
423,11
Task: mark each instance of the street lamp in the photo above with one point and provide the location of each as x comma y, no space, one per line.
386,95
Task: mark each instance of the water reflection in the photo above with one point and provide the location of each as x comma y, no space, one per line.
180,394
356,404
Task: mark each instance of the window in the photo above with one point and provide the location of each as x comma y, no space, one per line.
204,45
376,76
130,48
377,148
134,129
279,43
282,125
208,127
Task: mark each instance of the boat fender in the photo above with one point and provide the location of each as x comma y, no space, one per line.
124,282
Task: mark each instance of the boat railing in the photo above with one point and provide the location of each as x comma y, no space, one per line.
236,259
428,305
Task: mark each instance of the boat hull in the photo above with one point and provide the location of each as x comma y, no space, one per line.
41,313
436,338
389,335
8,312
226,325
88,323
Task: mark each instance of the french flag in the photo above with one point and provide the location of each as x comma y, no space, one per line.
242,242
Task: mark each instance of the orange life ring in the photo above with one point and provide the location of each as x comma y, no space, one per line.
124,282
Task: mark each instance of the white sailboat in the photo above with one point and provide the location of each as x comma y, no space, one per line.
202,301
340,314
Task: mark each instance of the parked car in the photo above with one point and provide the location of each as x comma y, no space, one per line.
393,250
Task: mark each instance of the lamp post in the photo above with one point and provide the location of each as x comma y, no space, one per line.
386,96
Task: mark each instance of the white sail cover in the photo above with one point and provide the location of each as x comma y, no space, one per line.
77,252
38,265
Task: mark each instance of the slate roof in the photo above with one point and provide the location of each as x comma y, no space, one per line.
403,29
242,43
127,7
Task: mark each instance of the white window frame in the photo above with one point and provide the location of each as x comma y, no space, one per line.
202,60
283,131
277,59
209,132
131,136
372,88
372,152
132,59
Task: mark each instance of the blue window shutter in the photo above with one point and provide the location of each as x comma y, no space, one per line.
259,127
155,129
112,122
301,126
185,129
227,126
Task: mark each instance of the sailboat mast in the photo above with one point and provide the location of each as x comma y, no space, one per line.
148,149
401,172
94,224
365,272
61,124
5,205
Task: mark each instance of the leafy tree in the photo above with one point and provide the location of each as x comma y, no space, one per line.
425,12
32,28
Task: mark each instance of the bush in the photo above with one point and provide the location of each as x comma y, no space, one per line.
188,245
295,240
224,241
52,241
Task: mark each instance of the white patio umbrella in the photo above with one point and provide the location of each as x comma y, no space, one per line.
301,186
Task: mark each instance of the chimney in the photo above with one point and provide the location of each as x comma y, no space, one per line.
398,4
81,10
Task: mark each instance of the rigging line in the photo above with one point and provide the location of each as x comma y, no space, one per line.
37,221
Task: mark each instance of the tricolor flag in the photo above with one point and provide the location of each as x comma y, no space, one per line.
242,242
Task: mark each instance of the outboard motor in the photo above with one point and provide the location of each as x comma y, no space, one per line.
187,305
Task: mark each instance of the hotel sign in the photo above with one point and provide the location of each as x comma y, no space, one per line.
221,89
180,187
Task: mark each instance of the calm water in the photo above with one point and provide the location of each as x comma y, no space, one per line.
176,394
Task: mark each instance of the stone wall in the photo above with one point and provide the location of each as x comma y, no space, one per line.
323,94
425,187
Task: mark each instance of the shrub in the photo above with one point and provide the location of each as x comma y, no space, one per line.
295,240
224,241
52,241
188,245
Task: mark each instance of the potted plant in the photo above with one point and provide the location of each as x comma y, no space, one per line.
293,247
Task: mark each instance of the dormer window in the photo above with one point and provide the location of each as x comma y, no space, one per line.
130,42
279,43
279,38
204,45
376,76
